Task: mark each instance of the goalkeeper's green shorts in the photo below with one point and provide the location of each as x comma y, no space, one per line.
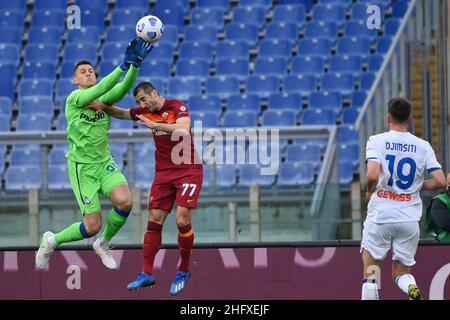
90,179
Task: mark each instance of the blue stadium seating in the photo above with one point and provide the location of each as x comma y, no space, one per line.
6,86
353,45
251,174
244,102
346,63
204,103
56,157
346,3
50,4
222,86
232,49
43,70
58,178
359,10
208,17
265,4
271,66
329,12
278,118
221,4
349,153
282,31
107,66
305,154
201,33
346,170
209,119
225,176
315,47
11,19
318,117
136,4
171,16
18,5
358,98
391,26
82,51
399,8
253,15
164,50
25,157
183,4
343,82
383,44
240,119
289,13
350,115
41,53
375,62
317,29
113,50
367,80
22,178
326,99
170,35
295,175
308,65
34,105
285,101
35,87
10,35
347,134
233,67
242,32
120,34
92,17
274,48
359,28
127,102
5,106
144,176
50,35
67,69
156,68
306,3
34,122
183,88
299,83
262,85
4,122
49,18
98,5
117,124
319,142
89,34
196,50
127,17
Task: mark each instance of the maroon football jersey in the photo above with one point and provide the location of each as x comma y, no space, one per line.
169,113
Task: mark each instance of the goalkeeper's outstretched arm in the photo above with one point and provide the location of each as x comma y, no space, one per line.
121,89
113,111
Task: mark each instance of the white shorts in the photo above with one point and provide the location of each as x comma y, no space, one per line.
403,236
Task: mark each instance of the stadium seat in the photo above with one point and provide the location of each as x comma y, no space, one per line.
279,118
222,86
11,19
4,122
35,87
265,4
50,4
225,176
345,174
196,50
318,142
209,119
282,31
304,153
326,99
358,99
383,44
242,32
201,33
208,17
18,5
324,29
350,115
253,15
399,8
244,102
114,50
34,122
9,54
346,64
367,80
359,10
5,106
98,5
10,36
58,178
315,47
49,18
308,65
349,153
42,70
89,34
295,175
120,34
262,85
117,124
274,48
40,35
232,49
82,51
183,88
67,70
165,50
347,134
270,66
204,103
318,117
233,67
343,82
353,45
285,101
173,15
62,123
306,3
127,102
289,13
240,119
251,174
93,17
156,68
127,17
346,3
299,83
183,4
170,35
22,178
391,26
359,29
25,157
107,66
329,12
375,62
144,176
41,53
7,87
56,157
34,105
135,4
221,4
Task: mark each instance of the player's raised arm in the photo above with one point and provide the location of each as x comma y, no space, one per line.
113,111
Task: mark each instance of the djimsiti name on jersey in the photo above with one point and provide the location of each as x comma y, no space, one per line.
403,147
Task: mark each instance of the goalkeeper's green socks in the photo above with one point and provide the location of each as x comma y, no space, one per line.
116,219
74,232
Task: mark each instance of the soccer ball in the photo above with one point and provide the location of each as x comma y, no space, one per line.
149,28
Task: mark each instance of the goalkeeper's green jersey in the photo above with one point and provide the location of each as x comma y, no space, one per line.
87,132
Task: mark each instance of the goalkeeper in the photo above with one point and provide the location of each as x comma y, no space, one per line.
91,167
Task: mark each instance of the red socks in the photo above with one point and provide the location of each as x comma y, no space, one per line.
152,243
185,241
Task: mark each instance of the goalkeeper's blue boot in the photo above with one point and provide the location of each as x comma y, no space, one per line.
179,283
143,280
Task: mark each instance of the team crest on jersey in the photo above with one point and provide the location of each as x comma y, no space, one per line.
87,200
183,108
110,168
165,116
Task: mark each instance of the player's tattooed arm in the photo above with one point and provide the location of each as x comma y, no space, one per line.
182,124
114,111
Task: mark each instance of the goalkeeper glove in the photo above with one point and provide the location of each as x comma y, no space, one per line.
142,49
130,54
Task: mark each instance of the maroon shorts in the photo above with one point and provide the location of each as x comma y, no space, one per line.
178,185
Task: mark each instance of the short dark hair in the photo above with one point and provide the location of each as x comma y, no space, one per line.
79,63
400,109
146,86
